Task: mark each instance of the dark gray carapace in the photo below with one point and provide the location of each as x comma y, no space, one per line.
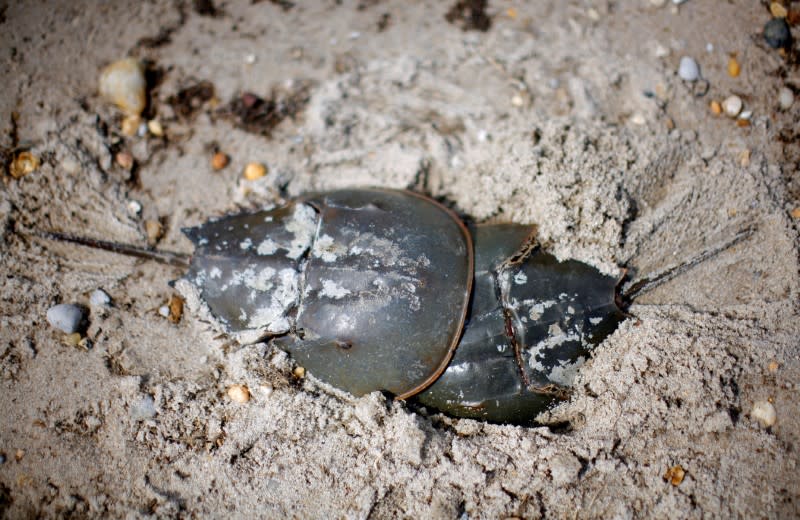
385,290
370,289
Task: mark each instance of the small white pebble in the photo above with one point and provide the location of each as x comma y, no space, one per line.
688,70
709,47
786,98
732,106
764,413
483,135
517,100
154,127
66,317
238,393
660,51
71,165
142,130
638,119
266,389
354,35
746,114
99,298
134,207
164,311
678,2
250,59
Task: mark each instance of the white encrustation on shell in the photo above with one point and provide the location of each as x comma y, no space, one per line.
123,83
688,70
66,317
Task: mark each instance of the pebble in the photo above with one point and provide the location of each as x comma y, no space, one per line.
100,298
716,108
254,171
164,311
732,106
135,207
778,10
239,393
123,83
638,119
776,32
66,317
219,161
795,213
155,127
70,165
764,413
733,67
299,372
124,160
786,98
688,70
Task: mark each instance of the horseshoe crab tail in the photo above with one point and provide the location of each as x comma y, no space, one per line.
163,257
633,289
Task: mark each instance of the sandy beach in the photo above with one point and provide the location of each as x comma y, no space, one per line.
576,116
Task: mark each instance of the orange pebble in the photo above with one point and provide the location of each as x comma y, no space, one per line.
733,67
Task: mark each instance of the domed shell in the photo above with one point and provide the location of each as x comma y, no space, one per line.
367,289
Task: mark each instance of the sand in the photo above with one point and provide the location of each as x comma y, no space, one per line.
569,115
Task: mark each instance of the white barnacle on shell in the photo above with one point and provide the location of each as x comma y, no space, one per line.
303,226
333,290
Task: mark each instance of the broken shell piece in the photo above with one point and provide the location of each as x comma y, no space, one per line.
72,340
23,164
175,308
154,231
675,475
764,413
123,83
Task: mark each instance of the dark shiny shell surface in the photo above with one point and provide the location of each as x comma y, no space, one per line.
367,289
532,322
